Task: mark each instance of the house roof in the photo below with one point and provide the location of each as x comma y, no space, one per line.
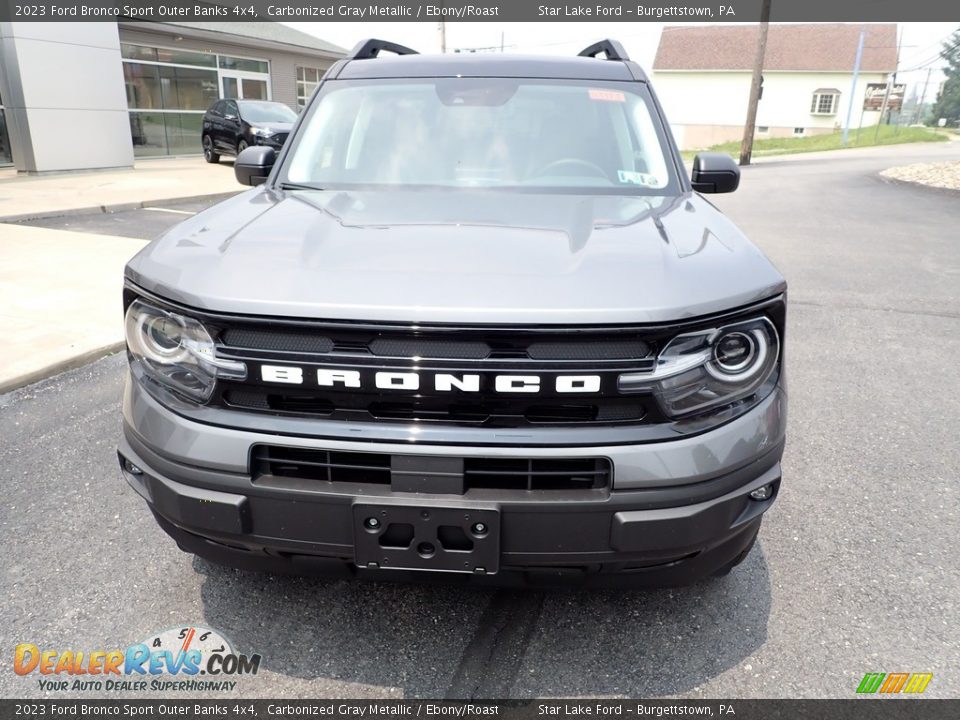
273,33
811,48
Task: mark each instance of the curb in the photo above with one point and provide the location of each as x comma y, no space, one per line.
952,192
117,207
56,368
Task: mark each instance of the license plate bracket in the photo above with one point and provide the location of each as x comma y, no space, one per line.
427,537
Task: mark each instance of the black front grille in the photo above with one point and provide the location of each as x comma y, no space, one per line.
387,343
284,341
416,347
493,412
608,350
332,467
488,353
537,474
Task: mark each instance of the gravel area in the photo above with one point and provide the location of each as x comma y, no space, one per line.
939,175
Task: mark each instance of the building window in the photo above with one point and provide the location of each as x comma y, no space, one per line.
6,157
307,79
244,64
169,90
798,132
824,102
163,55
763,129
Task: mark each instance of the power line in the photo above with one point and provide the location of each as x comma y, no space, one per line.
927,48
939,56
930,62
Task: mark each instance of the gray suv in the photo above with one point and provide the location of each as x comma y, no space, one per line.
474,322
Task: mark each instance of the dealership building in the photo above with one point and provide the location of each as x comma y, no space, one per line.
80,96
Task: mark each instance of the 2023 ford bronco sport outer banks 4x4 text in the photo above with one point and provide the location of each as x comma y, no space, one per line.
473,322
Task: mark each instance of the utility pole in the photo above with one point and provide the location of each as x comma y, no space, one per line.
853,86
894,85
746,145
443,37
883,108
923,96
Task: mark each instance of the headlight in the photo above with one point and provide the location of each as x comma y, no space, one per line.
176,351
710,368
262,132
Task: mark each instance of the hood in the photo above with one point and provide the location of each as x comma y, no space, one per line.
277,127
458,256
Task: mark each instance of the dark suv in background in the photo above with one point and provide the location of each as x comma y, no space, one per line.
231,126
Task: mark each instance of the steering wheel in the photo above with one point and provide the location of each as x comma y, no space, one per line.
571,162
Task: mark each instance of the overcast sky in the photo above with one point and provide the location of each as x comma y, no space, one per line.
921,41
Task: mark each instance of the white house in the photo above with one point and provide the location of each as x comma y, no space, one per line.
702,75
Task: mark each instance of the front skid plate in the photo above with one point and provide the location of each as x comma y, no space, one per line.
419,537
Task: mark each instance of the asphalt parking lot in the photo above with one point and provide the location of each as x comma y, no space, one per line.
140,223
856,569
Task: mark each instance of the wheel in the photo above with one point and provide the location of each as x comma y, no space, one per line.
241,146
208,154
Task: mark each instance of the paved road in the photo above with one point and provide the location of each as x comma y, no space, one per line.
143,223
856,569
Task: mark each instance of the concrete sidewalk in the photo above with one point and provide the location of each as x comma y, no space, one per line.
60,300
148,183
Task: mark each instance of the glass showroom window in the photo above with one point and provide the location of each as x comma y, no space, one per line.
245,78
307,79
6,157
169,90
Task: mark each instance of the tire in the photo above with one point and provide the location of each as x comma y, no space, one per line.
208,154
241,146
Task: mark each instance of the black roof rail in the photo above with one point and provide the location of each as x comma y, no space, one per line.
611,48
367,49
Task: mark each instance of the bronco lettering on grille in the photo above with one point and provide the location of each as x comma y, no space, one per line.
438,382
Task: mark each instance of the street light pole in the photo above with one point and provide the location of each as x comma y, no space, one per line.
746,145
853,86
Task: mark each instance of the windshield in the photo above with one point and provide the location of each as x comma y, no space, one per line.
266,112
553,136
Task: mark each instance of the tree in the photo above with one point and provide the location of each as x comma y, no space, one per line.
948,101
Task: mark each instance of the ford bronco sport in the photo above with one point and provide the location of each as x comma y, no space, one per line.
473,322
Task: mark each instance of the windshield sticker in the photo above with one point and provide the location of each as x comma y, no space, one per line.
607,95
637,178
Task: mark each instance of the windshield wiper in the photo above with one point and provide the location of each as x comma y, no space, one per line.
299,186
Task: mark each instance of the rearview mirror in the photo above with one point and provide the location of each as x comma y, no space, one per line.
254,164
715,173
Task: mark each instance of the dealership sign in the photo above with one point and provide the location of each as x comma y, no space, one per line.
873,99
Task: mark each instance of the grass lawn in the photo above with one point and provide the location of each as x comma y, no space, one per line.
889,135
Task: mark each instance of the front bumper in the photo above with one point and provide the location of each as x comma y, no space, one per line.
678,511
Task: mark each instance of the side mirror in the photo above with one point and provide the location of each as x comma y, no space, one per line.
715,173
254,164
